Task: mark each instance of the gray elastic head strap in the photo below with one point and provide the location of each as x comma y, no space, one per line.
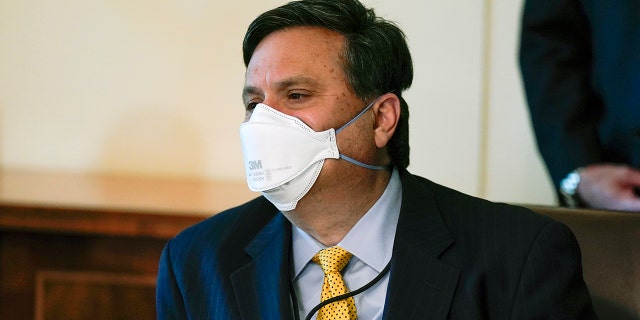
354,161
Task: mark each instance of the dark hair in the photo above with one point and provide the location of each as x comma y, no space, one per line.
377,58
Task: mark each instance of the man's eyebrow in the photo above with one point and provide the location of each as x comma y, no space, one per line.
249,91
297,80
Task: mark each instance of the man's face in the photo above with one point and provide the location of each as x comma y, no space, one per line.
299,72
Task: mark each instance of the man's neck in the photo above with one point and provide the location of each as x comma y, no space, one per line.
329,214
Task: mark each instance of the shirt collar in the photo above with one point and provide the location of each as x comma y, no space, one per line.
370,239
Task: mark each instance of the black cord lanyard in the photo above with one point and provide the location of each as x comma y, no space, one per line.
315,309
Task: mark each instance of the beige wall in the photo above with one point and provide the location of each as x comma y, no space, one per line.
153,88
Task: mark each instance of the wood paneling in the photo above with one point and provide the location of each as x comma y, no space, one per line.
29,259
87,247
104,296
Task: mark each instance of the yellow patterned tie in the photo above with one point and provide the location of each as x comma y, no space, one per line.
332,260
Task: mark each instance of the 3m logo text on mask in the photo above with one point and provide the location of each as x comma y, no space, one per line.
255,165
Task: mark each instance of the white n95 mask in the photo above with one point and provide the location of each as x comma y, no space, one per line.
283,156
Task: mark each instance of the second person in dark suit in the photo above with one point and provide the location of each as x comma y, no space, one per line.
580,62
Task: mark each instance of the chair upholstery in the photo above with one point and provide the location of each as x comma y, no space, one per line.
610,245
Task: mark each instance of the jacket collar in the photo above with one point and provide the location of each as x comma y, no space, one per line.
261,286
420,285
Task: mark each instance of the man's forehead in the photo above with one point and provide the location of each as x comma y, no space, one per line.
293,45
306,57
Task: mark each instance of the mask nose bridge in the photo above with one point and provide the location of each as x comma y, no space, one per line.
268,103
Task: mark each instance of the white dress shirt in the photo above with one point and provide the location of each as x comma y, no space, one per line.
371,243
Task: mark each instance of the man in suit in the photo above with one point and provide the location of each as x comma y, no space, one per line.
580,63
326,142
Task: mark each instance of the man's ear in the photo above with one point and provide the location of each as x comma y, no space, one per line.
387,114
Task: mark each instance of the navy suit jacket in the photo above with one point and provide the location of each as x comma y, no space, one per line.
454,257
580,62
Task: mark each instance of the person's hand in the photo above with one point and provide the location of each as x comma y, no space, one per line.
610,187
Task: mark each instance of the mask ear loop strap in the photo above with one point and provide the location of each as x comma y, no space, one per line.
364,165
354,161
357,116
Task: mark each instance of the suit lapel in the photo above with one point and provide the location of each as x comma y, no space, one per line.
261,286
420,285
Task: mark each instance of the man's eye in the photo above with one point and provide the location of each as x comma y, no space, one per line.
296,96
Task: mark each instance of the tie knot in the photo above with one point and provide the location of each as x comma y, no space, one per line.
332,259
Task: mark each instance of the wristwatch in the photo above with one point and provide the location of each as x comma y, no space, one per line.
569,189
